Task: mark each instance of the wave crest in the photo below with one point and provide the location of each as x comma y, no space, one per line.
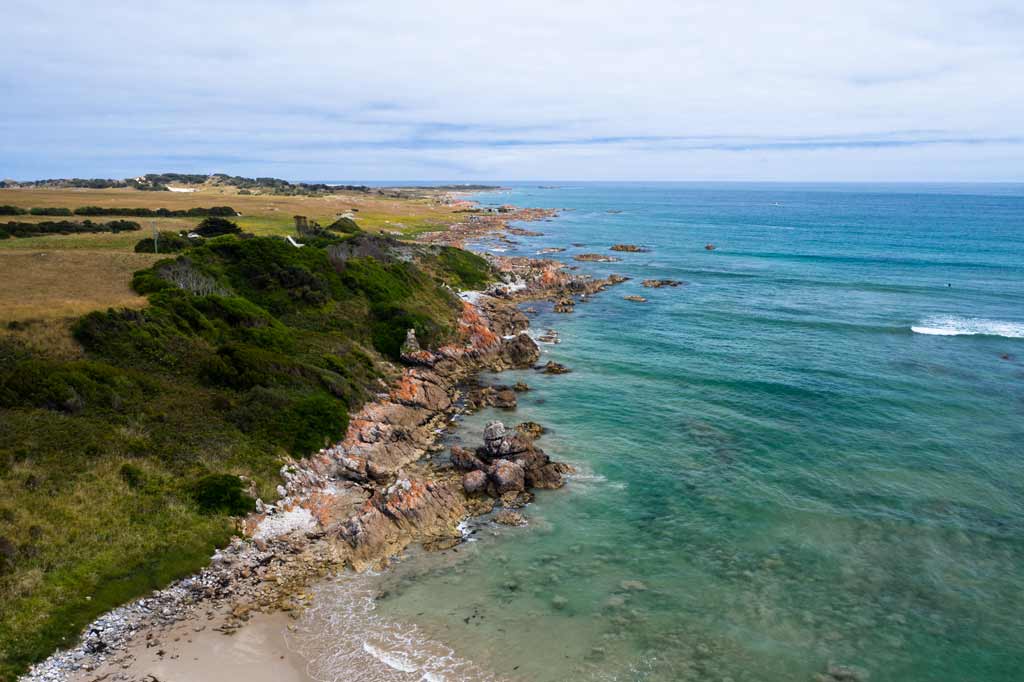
969,326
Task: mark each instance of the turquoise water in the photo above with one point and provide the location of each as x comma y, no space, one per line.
811,453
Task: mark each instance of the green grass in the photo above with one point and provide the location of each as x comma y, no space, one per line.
119,470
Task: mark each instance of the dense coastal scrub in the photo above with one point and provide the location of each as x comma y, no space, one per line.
122,469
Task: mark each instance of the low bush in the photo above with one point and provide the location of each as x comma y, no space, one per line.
19,229
168,242
344,225
214,226
465,270
223,211
221,493
51,211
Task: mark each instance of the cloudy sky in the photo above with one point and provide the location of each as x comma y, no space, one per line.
465,90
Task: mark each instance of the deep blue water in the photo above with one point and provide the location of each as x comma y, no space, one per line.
810,453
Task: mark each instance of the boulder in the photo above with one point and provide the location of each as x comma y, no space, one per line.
504,397
464,460
496,442
630,248
553,367
507,517
507,476
658,283
474,482
565,305
491,396
531,430
547,476
411,345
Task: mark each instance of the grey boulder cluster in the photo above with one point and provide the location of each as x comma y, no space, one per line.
507,466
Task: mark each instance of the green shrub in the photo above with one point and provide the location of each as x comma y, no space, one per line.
316,421
465,270
214,226
7,209
51,211
132,475
169,242
20,229
221,493
69,387
299,423
344,225
392,325
241,367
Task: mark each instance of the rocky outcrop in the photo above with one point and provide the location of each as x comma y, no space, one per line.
564,305
630,248
491,396
531,430
635,299
552,367
526,279
549,336
511,463
408,510
595,258
507,517
659,283
519,231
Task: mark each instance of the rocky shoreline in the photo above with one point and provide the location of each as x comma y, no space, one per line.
384,487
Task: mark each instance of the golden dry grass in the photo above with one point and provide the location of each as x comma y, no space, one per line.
52,278
261,214
48,285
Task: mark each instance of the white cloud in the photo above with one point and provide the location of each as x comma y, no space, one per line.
540,90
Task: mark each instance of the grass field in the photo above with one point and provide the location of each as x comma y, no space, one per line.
59,283
54,277
261,214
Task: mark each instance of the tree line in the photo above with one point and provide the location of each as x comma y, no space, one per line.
128,212
21,230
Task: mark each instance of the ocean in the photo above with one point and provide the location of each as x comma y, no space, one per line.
808,456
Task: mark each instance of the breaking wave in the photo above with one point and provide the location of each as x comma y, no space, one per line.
968,326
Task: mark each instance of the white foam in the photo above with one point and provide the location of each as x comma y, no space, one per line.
433,677
969,326
343,638
391,659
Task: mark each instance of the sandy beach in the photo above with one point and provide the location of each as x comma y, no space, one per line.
197,650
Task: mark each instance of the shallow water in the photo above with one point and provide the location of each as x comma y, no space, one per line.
810,453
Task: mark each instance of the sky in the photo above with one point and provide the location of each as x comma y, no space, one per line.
551,90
